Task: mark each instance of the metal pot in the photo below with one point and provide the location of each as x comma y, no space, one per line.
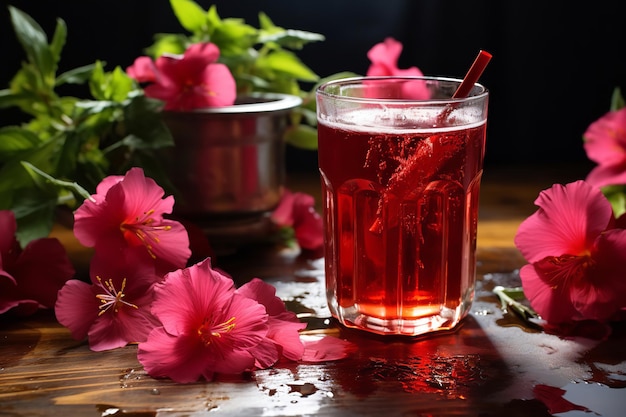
227,165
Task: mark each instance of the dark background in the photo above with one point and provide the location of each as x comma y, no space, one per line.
553,71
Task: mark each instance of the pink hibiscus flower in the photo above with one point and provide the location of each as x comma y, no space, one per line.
193,80
143,70
297,210
384,57
283,336
114,309
207,328
29,278
605,144
575,256
127,212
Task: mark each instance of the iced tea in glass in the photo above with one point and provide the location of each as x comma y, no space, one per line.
401,164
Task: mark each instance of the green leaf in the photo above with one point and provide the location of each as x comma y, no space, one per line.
110,86
292,39
616,194
35,43
309,114
143,121
29,92
511,298
78,75
287,63
288,38
14,141
302,136
58,42
43,181
617,100
266,24
45,155
34,214
9,99
190,15
234,37
165,43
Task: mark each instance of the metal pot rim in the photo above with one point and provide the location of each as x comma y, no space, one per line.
253,103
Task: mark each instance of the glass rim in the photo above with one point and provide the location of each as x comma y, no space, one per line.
322,89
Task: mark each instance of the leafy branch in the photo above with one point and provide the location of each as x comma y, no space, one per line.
76,140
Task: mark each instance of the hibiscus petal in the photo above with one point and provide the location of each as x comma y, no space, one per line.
129,215
310,230
42,270
183,359
568,220
77,307
251,322
8,227
603,292
283,213
327,348
185,296
171,246
235,362
202,315
107,332
194,80
286,334
605,139
263,293
595,303
553,305
8,292
265,354
603,175
385,55
217,88
284,326
143,70
208,51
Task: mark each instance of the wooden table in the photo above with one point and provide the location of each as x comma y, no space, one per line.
492,366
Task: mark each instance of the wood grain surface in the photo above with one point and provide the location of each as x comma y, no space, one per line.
491,366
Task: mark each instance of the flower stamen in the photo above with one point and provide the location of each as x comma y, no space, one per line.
112,298
144,230
208,331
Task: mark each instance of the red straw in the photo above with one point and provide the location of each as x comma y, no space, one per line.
473,74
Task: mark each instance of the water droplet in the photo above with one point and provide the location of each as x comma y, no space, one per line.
483,312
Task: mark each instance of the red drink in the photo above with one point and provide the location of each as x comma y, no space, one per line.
401,208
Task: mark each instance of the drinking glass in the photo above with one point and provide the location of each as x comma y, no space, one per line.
401,164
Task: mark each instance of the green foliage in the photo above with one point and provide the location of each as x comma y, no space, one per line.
261,59
515,300
68,140
617,100
616,194
79,140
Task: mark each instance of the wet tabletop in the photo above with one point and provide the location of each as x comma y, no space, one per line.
495,364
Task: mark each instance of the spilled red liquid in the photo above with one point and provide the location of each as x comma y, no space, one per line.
552,397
